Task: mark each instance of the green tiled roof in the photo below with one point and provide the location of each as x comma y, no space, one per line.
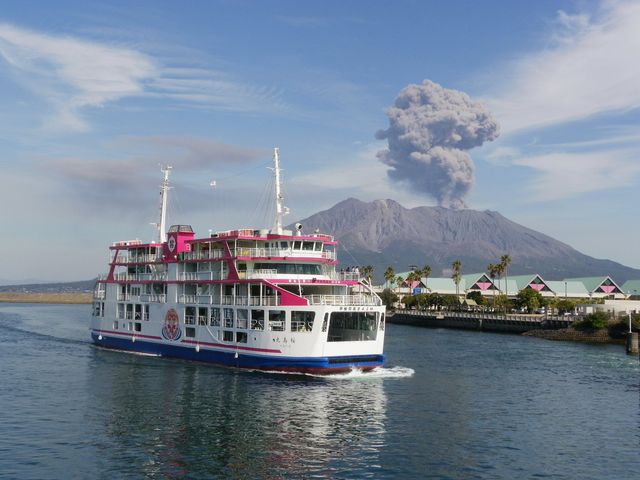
631,287
592,283
574,288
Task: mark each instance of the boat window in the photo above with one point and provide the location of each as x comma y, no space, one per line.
352,326
318,246
325,322
190,315
382,321
241,337
227,336
120,310
129,311
284,245
145,312
115,325
138,327
243,317
276,320
190,332
228,317
291,268
202,316
307,245
297,245
302,321
138,311
214,319
257,319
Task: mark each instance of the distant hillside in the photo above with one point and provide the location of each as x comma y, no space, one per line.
67,287
383,233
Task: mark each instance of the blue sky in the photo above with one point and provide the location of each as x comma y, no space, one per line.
94,95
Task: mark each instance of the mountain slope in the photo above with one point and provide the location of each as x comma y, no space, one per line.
383,233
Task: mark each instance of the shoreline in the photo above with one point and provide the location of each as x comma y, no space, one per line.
55,298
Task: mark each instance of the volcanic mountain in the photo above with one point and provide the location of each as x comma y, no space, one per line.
383,233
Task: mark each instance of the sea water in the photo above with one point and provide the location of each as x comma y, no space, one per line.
448,404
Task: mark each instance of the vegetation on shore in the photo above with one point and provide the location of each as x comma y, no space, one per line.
68,298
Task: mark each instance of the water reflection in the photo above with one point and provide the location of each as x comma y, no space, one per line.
184,419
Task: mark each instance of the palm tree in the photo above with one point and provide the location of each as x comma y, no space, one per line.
367,273
456,275
399,280
505,261
425,272
413,276
494,271
390,275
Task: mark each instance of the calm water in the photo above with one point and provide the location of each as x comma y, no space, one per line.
449,404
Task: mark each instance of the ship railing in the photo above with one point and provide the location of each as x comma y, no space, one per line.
265,301
263,272
189,319
204,254
199,299
137,258
141,277
270,301
99,295
158,298
187,299
188,276
343,300
199,276
281,252
348,276
127,297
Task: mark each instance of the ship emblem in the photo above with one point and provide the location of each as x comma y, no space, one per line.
172,243
171,329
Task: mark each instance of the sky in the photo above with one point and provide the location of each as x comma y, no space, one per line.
95,96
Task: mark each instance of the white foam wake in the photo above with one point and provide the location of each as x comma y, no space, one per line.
379,372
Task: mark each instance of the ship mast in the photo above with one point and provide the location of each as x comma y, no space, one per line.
164,194
280,210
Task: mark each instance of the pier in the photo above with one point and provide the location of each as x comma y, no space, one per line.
490,322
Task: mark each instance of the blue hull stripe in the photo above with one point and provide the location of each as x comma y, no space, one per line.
243,359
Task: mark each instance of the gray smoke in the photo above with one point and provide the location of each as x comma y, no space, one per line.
430,127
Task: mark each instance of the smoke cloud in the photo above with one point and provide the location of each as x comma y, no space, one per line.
430,129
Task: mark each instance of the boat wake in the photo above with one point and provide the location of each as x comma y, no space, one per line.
379,372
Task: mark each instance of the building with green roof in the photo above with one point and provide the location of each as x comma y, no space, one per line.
632,288
600,287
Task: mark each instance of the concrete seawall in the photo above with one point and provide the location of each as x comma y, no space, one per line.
479,321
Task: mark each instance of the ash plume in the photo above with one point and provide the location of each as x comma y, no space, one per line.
430,129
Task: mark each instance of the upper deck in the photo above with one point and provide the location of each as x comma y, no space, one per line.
243,244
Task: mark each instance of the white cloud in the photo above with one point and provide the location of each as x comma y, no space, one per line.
72,74
564,175
591,67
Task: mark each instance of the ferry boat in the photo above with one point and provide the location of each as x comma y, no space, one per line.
265,299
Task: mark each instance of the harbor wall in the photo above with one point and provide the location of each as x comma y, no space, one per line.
479,321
